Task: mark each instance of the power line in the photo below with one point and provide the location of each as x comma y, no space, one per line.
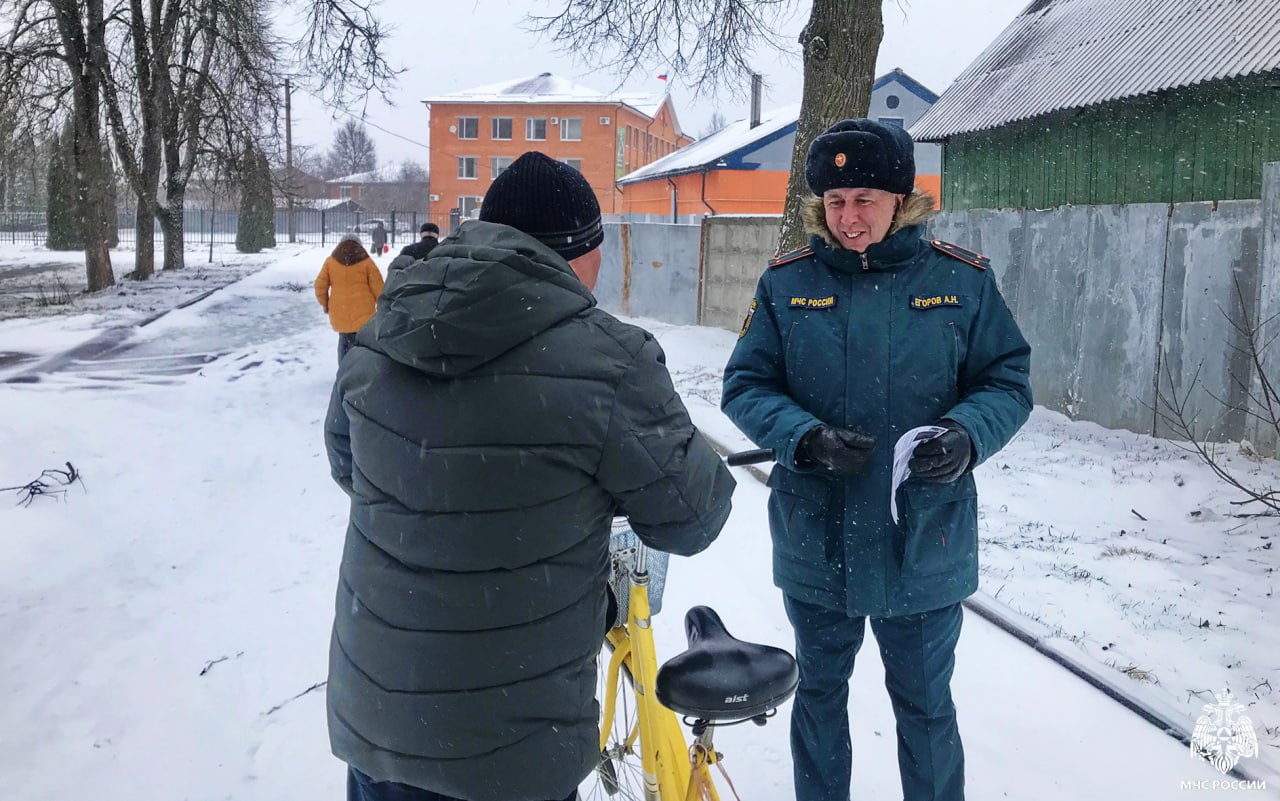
364,121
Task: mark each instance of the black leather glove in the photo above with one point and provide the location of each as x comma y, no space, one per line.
944,458
843,451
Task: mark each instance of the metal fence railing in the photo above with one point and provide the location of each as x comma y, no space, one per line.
218,226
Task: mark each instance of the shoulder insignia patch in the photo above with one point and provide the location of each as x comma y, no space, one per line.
787,258
970,257
746,324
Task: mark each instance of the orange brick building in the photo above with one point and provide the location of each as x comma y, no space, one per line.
477,133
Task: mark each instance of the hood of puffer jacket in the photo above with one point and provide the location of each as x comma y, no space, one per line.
484,290
916,208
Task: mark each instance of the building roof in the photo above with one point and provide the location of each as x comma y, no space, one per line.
370,177
325,204
738,137
1061,54
907,82
547,88
720,146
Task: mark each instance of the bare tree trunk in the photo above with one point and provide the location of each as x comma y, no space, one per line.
91,197
171,222
840,44
151,32
83,34
145,228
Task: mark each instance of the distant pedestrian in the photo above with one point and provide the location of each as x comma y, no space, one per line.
430,237
347,288
379,237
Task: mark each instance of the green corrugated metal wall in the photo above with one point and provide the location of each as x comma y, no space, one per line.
1202,143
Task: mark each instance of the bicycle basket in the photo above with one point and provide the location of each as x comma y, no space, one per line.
622,559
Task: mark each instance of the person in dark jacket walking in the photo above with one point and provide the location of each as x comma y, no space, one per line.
488,425
430,237
378,238
851,342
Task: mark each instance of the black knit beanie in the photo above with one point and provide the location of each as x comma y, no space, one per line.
550,201
861,154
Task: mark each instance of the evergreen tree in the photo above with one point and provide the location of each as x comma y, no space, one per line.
65,230
64,222
110,210
256,229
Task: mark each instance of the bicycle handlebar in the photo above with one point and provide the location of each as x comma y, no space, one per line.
749,457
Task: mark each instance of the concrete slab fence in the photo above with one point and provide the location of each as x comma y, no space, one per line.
1121,304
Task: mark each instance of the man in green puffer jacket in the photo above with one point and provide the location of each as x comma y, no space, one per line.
867,333
488,425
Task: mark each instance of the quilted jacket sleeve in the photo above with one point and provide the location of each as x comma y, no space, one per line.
670,484
337,439
995,378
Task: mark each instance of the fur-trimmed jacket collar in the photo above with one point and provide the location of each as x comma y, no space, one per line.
916,208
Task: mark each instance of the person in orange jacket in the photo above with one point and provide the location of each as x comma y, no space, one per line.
347,288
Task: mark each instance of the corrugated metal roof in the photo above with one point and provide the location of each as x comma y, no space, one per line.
1060,54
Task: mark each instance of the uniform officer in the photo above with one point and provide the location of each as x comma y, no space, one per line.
870,331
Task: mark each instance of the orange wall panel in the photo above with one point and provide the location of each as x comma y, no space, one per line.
726,192
933,185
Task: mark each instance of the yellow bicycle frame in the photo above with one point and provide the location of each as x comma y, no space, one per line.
670,773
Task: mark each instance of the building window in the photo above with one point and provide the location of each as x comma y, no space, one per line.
892,101
467,167
574,163
896,122
468,127
570,129
497,164
501,127
469,206
344,193
535,129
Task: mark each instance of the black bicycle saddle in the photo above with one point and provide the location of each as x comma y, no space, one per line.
721,678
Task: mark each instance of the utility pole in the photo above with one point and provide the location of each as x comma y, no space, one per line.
288,157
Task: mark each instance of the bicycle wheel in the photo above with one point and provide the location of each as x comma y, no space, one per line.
619,776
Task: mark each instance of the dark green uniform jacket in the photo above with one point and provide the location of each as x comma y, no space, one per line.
903,338
487,426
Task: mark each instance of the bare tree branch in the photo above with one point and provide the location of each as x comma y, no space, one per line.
705,42
340,54
1262,405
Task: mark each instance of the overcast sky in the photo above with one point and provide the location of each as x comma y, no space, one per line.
449,45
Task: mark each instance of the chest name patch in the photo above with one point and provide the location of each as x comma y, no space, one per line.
828,302
934,302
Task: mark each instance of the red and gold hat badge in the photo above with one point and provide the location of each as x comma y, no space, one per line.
840,159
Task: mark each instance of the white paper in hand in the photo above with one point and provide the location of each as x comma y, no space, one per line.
902,451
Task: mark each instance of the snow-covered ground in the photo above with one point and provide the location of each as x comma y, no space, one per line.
165,621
